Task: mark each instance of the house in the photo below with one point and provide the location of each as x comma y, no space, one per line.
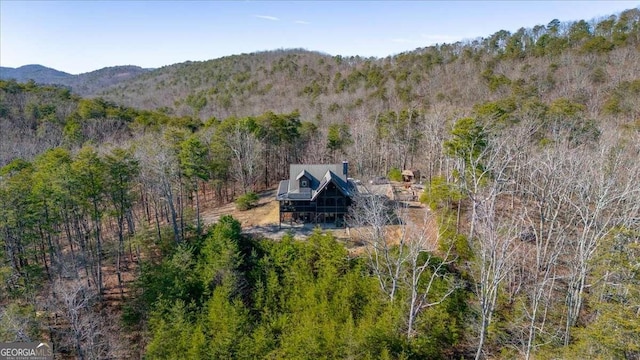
412,176
319,193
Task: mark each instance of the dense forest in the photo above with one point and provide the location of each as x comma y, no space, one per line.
528,143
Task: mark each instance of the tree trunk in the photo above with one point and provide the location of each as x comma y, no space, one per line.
198,222
98,244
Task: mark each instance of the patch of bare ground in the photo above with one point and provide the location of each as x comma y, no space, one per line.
264,213
418,218
115,292
419,221
263,220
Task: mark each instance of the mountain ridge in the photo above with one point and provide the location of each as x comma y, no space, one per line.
84,84
37,72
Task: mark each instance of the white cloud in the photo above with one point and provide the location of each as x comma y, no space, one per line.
267,17
302,22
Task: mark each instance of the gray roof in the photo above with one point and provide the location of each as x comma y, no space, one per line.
319,175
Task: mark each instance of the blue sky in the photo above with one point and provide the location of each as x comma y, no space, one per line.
81,36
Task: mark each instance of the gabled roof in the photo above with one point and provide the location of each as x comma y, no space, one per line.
314,172
331,177
319,175
304,173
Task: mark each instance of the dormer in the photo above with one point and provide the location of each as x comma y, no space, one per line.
304,180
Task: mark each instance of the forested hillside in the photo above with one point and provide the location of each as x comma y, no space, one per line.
82,84
528,143
40,74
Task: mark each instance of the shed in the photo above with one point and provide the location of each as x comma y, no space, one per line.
411,175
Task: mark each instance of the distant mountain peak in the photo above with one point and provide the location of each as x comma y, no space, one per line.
83,84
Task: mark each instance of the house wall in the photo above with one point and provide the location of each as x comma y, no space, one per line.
330,206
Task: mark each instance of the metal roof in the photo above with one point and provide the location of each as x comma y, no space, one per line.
320,175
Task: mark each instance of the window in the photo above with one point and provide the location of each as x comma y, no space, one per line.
304,183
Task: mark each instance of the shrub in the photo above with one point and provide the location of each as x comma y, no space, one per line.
246,201
395,174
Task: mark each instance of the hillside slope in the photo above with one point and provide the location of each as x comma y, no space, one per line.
83,84
40,74
584,62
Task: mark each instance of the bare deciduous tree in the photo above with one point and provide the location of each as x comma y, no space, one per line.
246,152
159,171
423,262
401,254
371,219
546,193
78,322
603,183
494,248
